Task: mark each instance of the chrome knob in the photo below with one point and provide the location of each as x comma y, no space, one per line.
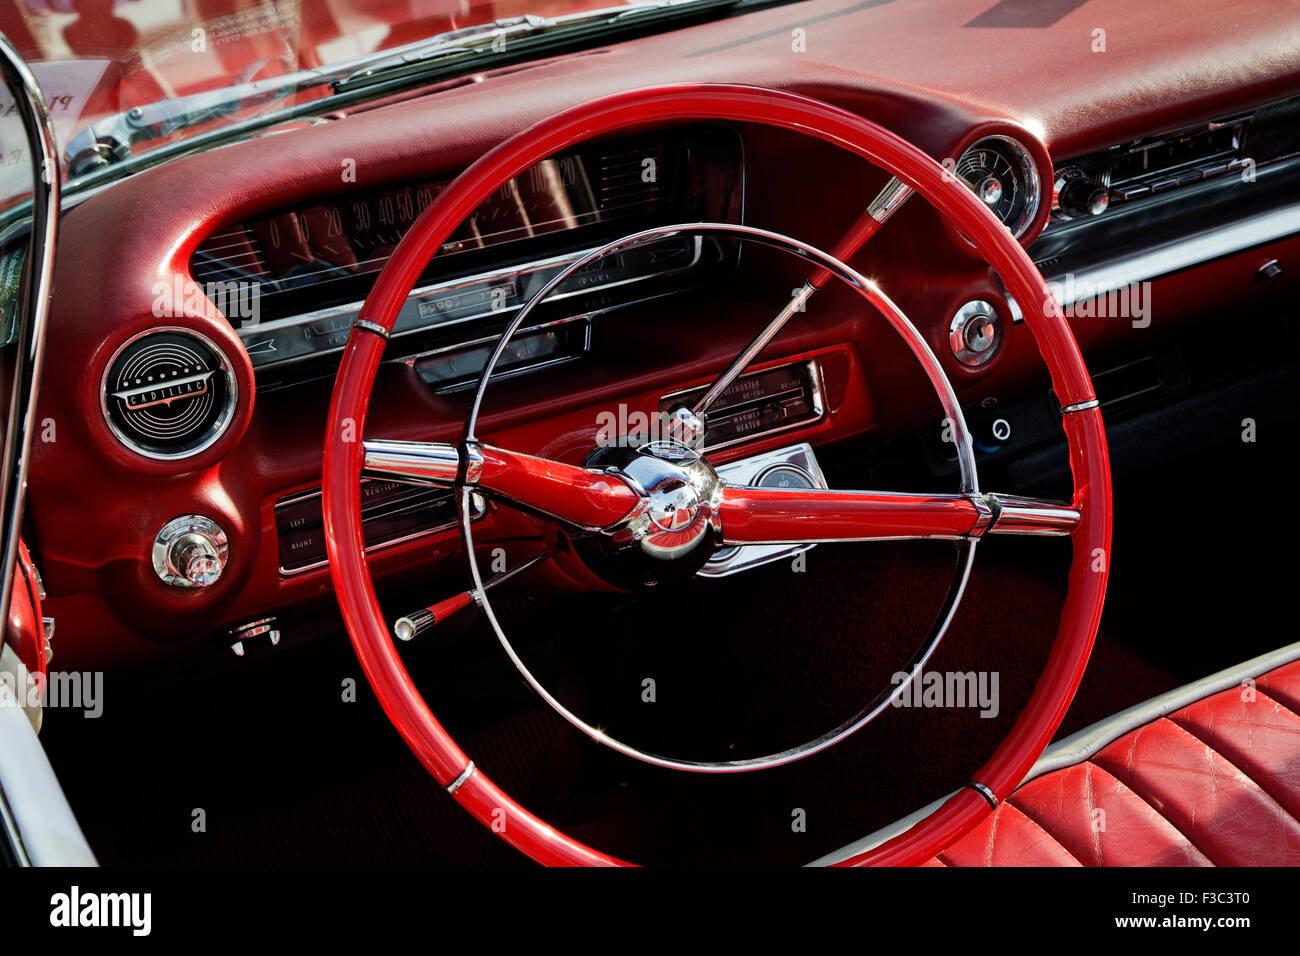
190,552
1079,197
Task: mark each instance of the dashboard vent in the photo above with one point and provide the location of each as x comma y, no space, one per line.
168,393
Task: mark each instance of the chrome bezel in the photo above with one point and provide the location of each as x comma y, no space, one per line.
173,531
215,431
814,393
961,351
1032,181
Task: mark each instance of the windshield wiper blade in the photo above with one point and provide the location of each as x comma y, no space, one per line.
501,35
111,140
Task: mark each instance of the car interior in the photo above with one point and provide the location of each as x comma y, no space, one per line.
686,433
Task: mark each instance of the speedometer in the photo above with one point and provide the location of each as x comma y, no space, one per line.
1002,174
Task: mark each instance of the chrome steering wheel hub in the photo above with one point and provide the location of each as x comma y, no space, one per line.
674,529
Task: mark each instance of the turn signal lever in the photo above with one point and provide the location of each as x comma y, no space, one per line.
412,625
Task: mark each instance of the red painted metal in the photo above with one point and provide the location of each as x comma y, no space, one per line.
758,515
25,629
449,606
524,831
583,497
366,627
863,228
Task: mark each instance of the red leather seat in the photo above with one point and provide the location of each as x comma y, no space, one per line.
1215,783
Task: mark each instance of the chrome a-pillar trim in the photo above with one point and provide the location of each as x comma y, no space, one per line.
37,276
433,462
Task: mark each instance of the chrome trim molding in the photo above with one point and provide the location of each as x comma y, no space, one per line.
33,308
1178,254
815,394
751,471
987,506
419,293
479,505
889,200
1013,514
464,775
365,325
1080,406
433,462
984,792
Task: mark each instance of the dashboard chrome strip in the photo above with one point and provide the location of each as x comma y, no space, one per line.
477,502
818,409
354,308
1174,256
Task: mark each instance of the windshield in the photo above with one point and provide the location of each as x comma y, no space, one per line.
99,59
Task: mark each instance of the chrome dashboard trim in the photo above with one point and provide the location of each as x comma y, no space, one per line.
353,309
462,386
479,505
814,385
1177,255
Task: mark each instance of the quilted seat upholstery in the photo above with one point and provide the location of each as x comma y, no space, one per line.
1216,783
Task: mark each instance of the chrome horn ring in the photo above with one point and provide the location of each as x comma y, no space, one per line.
965,461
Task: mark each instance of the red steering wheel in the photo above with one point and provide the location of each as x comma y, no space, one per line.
607,499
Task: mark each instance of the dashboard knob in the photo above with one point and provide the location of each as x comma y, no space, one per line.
190,552
1078,198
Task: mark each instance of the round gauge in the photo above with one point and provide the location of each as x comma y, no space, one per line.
1002,174
785,476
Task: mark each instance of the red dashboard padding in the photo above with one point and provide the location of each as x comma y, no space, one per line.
1216,783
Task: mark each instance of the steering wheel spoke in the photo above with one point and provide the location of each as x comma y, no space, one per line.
570,494
812,516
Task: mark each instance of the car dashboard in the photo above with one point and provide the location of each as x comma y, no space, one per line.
193,383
